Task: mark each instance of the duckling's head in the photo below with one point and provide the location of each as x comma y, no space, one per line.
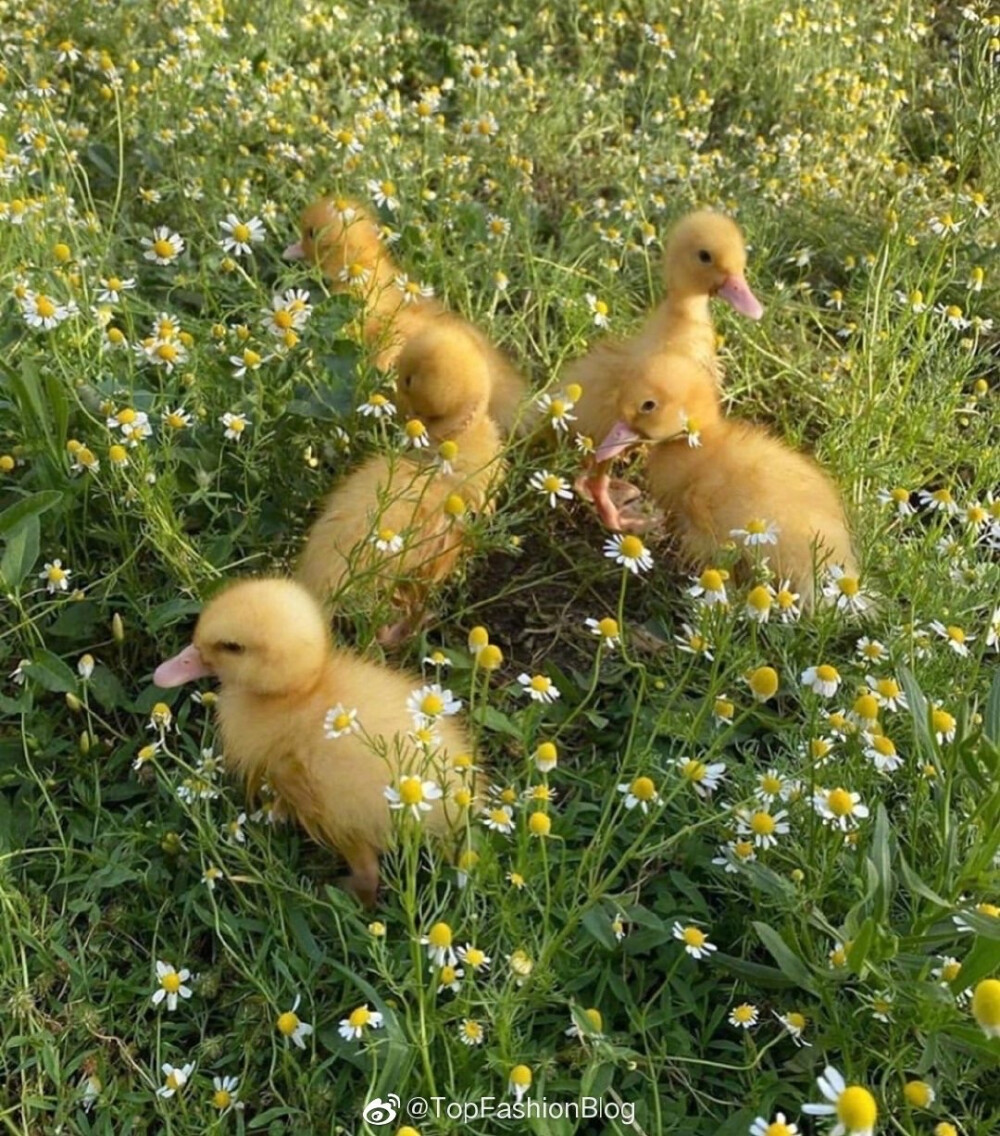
338,233
666,396
706,255
443,379
264,636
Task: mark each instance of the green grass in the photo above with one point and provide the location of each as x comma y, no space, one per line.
842,129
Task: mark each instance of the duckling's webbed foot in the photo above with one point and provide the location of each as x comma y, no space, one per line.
609,497
639,517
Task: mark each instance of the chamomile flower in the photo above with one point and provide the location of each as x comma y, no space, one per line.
473,957
777,1127
864,711
387,540
500,819
171,985
113,288
839,808
938,501
413,794
630,552
786,603
56,577
640,792
694,939
744,1016
845,591
759,603
692,642
763,683
762,826
823,680
723,710
377,406
551,485
710,588
355,1025
164,247
235,425
599,310
519,1082
606,630
248,360
735,853
853,1106
175,1078
756,533
871,650
438,942
226,1094
882,753
471,1032
704,778
545,757
41,311
918,1094
241,236
888,692
556,409
795,1023
449,977
539,688
954,636
986,1006
898,498
430,703
943,725
291,1026
176,419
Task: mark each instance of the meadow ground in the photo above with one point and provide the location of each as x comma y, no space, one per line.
529,166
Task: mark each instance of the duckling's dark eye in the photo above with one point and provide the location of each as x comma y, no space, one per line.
232,648
648,406
704,256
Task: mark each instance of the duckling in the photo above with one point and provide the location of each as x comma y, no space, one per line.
389,531
712,475
705,256
342,237
267,643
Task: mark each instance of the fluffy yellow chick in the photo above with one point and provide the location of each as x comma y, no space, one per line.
340,236
267,643
394,527
711,475
705,256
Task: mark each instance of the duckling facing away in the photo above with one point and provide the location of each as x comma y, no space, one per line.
705,256
389,531
267,643
342,237
711,475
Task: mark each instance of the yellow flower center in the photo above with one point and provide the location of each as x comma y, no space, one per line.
237,425
574,392
826,673
478,638
956,634
475,957
986,1003
221,1099
415,428
387,536
942,721
856,1108
163,248
796,1020
359,1017
759,598
888,688
557,408
950,970
643,789
866,706
594,1020
462,797
117,454
918,1093
490,657
744,1013
540,684
171,982
378,400
743,849
900,495
819,748
883,745
552,483
632,547
546,752
116,336
840,802
241,233
56,574
288,1023
777,1128
694,770
763,824
411,790
988,909
600,307
448,450
167,352
764,682
724,708
711,580
45,307
756,527
448,975
468,860
174,1080
432,705
439,935
608,628
520,1075
694,937
848,586
770,784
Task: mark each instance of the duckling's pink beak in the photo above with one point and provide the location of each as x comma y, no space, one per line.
182,668
736,292
619,438
294,252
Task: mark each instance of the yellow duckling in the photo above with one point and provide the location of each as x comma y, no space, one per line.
395,526
342,238
327,731
713,476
